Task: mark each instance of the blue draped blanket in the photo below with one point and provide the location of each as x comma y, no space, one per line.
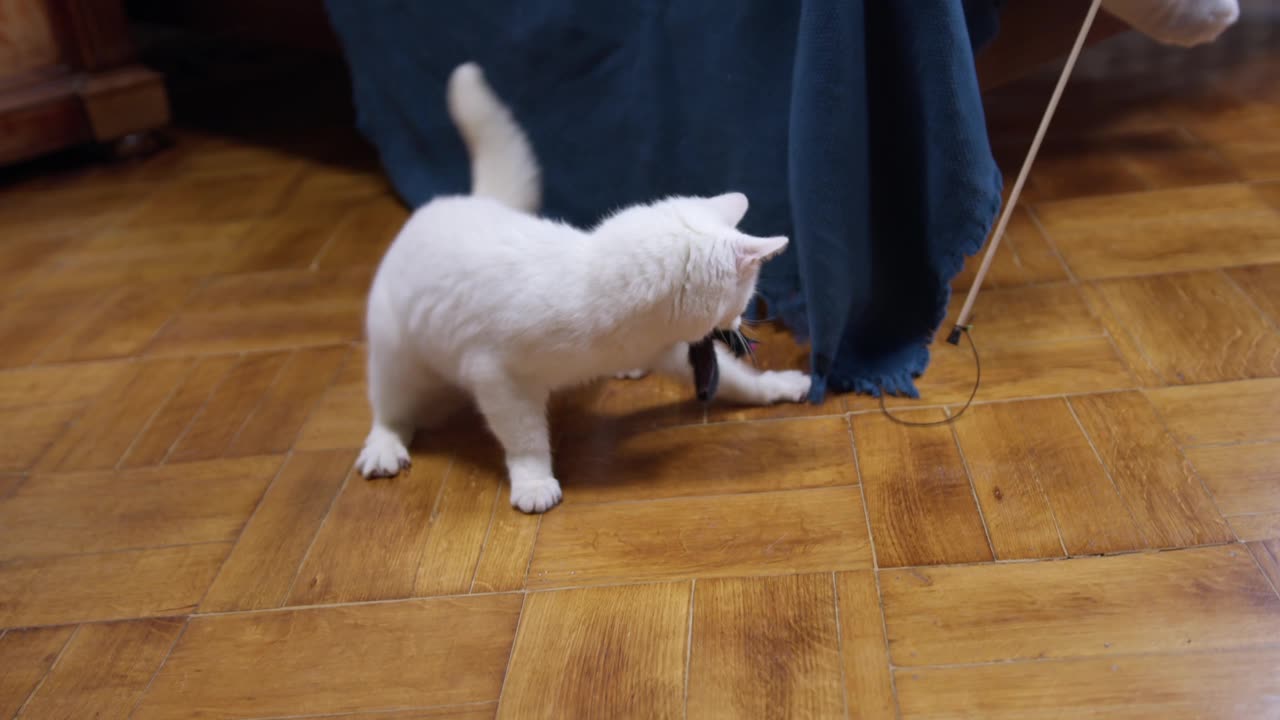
854,126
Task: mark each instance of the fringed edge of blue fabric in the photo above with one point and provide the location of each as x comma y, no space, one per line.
911,360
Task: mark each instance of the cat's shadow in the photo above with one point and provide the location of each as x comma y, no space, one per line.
466,440
596,436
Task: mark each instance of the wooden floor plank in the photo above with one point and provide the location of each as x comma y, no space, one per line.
1261,282
64,514
9,484
1012,371
30,432
1190,328
261,568
755,534
233,401
508,548
173,418
1025,258
507,551
1171,160
459,526
329,191
209,156
918,494
77,384
25,658
1092,163
184,252
388,519
1242,478
1167,500
107,586
214,199
268,311
363,233
616,652
1018,451
1238,684
40,211
1247,411
274,424
742,627
869,693
1267,555
1256,526
1239,126
1270,191
278,242
342,417
31,323
1018,316
707,460
1163,231
1001,449
105,669
387,656
469,711
1124,604
104,433
1143,371
116,259
121,322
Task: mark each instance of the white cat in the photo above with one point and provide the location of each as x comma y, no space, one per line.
478,297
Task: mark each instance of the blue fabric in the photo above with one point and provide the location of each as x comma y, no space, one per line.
854,126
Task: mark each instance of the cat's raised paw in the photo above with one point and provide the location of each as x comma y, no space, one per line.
383,456
785,386
536,497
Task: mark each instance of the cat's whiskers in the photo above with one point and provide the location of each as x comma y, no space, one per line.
751,351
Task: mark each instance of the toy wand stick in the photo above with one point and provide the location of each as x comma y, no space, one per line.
966,311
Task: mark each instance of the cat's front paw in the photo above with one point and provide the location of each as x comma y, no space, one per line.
536,496
383,456
784,386
631,374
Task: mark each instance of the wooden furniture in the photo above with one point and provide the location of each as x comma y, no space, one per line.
69,75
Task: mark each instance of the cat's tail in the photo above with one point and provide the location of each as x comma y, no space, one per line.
503,166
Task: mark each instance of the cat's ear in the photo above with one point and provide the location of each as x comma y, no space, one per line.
729,207
752,251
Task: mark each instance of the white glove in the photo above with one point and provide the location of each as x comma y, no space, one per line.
1177,22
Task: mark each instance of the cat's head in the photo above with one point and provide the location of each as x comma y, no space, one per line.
689,257
725,262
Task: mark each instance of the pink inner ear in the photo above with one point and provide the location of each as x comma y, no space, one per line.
754,250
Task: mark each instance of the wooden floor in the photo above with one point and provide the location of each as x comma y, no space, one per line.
182,398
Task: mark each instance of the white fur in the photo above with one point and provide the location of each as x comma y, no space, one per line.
502,163
1177,22
477,298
